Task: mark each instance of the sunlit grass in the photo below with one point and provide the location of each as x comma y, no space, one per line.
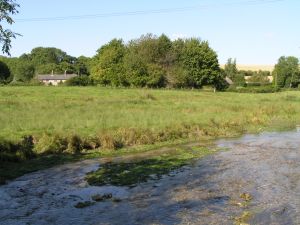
93,110
64,119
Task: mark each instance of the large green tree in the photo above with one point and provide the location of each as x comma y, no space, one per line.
286,72
145,61
108,64
7,9
201,63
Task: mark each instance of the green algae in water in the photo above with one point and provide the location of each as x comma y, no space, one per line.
131,173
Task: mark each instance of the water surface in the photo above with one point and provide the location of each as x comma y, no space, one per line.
265,166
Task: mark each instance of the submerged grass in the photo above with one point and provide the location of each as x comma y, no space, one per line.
139,171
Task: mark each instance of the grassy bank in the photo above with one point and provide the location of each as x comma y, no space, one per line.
65,120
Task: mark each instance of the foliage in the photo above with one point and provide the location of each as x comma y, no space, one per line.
156,76
108,64
250,73
16,151
48,60
232,72
24,71
230,69
79,81
258,78
144,61
4,72
286,72
31,83
44,61
7,8
254,89
75,144
82,65
200,62
152,61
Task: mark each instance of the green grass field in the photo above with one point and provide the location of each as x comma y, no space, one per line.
64,119
93,110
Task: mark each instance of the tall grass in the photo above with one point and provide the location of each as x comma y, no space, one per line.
123,117
44,126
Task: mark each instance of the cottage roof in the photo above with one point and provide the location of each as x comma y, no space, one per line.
56,76
228,80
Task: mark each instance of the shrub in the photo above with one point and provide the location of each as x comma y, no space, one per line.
21,83
7,151
79,81
25,148
109,141
91,143
48,144
12,152
75,144
254,89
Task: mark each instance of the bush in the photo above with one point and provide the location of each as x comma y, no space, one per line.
91,143
13,152
48,144
26,146
75,144
21,83
79,81
109,141
254,89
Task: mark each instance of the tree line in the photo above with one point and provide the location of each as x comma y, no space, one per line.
149,61
152,61
40,61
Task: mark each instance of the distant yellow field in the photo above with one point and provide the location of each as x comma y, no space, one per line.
254,67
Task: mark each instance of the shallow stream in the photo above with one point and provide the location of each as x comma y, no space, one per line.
265,168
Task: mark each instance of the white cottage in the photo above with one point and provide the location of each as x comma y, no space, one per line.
55,79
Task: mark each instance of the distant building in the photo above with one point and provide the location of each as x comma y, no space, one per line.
55,79
228,80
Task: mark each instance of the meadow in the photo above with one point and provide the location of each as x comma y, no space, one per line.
93,111
44,126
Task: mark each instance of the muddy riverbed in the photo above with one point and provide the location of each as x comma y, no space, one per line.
255,181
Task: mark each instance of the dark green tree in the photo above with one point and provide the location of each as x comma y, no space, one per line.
4,72
24,71
46,60
83,65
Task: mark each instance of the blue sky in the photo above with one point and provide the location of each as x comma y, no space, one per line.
252,33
